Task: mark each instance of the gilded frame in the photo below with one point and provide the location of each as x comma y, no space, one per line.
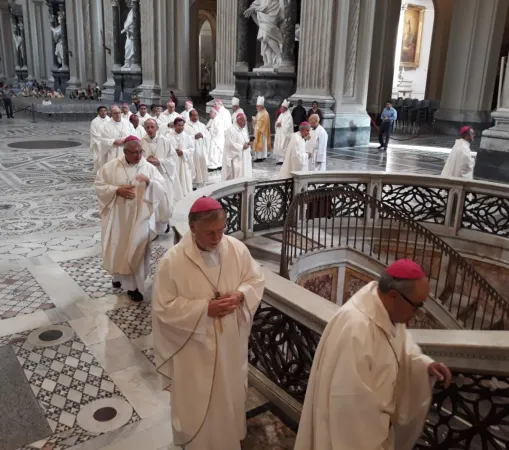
414,14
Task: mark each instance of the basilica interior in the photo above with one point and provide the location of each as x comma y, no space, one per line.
77,368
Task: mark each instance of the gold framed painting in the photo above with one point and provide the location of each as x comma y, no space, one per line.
412,36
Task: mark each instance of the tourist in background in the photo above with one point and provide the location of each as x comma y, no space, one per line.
237,151
460,162
284,131
319,141
6,97
96,131
388,116
370,385
315,110
206,292
129,190
299,115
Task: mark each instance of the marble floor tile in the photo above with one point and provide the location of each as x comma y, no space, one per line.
134,321
95,329
117,354
23,323
101,305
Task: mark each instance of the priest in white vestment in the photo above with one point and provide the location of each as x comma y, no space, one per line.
319,138
460,163
236,109
223,114
237,151
188,106
143,114
198,131
217,135
184,146
298,152
160,153
126,112
96,130
113,135
284,131
168,117
206,291
370,385
139,130
129,190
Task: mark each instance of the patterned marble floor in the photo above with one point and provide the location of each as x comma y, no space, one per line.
85,349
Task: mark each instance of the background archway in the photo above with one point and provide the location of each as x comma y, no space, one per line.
206,49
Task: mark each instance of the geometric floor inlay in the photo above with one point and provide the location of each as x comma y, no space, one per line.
134,321
70,386
21,294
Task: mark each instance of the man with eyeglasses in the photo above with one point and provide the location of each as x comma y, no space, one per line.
129,190
370,385
113,135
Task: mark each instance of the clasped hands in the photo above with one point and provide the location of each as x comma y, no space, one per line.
226,304
127,190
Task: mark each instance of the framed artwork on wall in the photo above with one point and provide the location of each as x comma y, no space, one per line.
412,36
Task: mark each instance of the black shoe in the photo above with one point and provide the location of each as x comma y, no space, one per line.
380,147
135,296
167,229
116,284
279,164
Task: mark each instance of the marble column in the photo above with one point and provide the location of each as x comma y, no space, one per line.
65,41
315,58
350,73
242,54
43,55
382,54
8,62
472,60
108,88
97,33
136,65
150,88
226,53
288,31
117,51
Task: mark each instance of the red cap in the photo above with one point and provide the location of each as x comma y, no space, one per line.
405,269
205,204
304,123
464,130
131,138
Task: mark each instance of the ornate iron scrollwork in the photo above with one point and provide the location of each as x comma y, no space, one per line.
486,213
343,206
423,204
271,202
283,350
232,204
471,414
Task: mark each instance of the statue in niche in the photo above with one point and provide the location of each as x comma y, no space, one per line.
129,36
268,15
16,36
58,39
205,72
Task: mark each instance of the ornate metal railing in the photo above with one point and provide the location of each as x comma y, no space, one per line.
271,202
232,204
349,218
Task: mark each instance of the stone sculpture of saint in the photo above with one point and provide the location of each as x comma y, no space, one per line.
129,38
267,14
58,40
17,42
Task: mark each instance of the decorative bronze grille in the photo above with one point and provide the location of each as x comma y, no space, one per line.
232,204
486,213
271,202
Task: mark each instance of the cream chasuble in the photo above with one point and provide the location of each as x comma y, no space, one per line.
235,114
185,114
96,130
297,158
160,147
143,118
369,387
125,223
283,135
236,160
460,163
262,134
126,115
111,132
201,360
217,136
140,133
201,150
167,119
185,163
319,138
226,117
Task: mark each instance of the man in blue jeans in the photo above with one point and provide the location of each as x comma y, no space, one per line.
389,115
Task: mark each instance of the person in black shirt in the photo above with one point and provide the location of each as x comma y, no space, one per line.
315,110
299,115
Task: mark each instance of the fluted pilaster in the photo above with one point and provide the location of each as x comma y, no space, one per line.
7,46
242,53
150,89
136,35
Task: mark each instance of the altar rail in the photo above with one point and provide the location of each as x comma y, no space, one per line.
472,414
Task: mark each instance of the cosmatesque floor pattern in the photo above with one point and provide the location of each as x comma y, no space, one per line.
84,348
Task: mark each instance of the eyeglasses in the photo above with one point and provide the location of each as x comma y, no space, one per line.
416,306
135,153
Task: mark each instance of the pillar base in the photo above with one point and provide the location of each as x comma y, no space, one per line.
492,165
61,77
350,130
22,74
150,94
125,83
449,122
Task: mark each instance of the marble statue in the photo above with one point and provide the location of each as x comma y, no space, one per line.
129,37
17,42
58,40
267,14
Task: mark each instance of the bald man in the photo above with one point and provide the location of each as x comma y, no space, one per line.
113,135
370,382
167,118
129,190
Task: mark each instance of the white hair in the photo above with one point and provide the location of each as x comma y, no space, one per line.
151,120
315,116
